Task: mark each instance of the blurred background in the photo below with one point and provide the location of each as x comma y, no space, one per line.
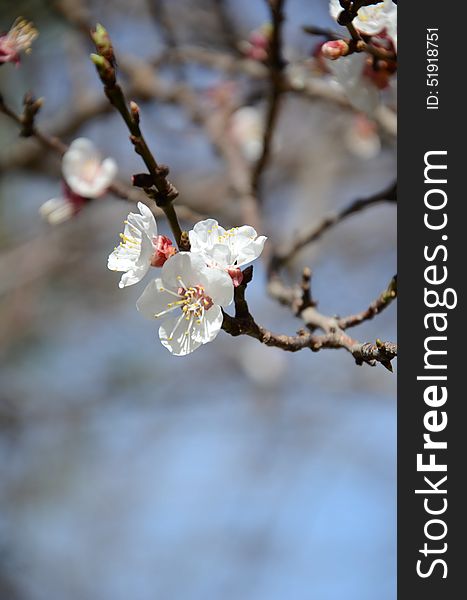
241,471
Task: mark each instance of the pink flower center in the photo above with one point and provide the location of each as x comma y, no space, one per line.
195,300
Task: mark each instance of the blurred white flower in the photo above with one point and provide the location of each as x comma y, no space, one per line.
84,170
187,298
362,138
60,209
349,72
226,249
247,130
140,247
18,39
372,19
56,210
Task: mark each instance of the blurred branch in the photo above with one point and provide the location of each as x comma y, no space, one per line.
376,307
118,188
226,24
389,194
276,66
308,86
158,11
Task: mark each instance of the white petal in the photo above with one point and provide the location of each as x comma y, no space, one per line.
155,300
335,8
56,211
84,146
360,91
109,169
205,234
251,251
182,269
174,336
51,205
80,151
210,325
148,220
246,231
105,174
217,284
131,277
220,254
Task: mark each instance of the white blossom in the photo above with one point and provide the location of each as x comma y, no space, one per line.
84,170
187,298
136,250
226,249
372,19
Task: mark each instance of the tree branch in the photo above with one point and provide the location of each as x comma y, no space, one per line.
376,307
333,336
276,66
389,194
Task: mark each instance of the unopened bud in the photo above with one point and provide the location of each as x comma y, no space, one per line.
104,68
134,108
31,107
104,47
31,104
142,180
335,49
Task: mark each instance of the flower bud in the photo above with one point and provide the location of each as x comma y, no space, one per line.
334,49
142,180
104,47
164,249
134,109
104,68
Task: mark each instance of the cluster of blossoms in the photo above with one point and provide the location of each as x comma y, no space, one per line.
18,39
194,286
360,75
85,176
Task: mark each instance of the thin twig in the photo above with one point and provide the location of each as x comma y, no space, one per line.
243,323
375,308
387,195
160,189
276,66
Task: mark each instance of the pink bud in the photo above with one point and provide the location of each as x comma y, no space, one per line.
334,49
258,39
236,275
256,53
164,249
